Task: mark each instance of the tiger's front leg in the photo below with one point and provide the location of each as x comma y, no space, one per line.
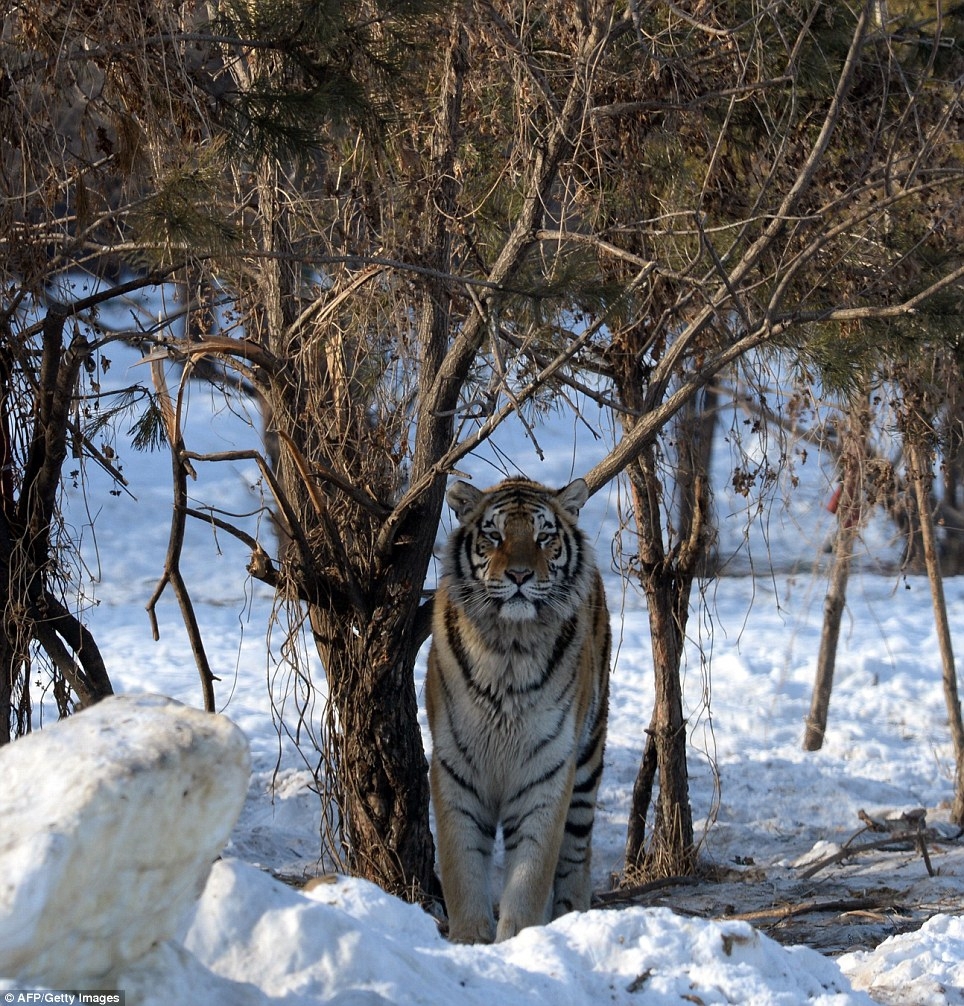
573,882
465,836
533,838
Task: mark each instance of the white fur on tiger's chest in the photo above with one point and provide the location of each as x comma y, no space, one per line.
514,692
520,675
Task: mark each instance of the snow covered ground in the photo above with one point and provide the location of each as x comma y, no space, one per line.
764,807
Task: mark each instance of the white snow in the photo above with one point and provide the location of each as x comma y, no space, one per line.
347,938
109,822
925,968
761,803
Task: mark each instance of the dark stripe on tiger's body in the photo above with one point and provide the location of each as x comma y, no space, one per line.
589,784
563,643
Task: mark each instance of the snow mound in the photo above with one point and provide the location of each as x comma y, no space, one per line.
109,822
348,943
925,968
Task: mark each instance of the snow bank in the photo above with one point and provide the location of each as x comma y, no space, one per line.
925,968
347,942
109,822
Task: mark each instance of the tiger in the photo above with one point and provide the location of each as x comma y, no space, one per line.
517,692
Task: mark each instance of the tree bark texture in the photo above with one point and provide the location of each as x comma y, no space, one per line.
921,475
670,851
848,509
382,782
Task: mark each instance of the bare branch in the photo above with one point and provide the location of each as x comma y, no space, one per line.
458,451
180,469
620,108
601,245
880,311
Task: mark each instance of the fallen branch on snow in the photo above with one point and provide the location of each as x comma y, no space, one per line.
783,912
909,828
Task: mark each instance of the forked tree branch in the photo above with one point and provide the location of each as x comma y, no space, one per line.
172,575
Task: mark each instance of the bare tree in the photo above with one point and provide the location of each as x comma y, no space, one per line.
667,569
762,241
918,407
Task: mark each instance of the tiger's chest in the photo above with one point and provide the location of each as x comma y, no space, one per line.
510,688
518,680
516,712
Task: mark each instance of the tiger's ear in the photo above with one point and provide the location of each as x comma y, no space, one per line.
572,498
462,498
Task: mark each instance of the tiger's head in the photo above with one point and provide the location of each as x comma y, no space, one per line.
517,552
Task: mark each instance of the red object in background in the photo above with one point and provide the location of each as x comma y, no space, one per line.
835,499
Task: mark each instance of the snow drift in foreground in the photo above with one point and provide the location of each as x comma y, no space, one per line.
135,761
255,941
348,942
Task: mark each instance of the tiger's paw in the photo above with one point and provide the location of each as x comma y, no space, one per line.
474,930
511,925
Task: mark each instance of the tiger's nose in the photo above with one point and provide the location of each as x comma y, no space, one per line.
519,576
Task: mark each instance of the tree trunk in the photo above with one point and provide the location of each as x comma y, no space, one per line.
380,764
30,615
13,656
642,801
848,507
363,616
920,471
373,769
952,472
671,850
363,593
667,577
